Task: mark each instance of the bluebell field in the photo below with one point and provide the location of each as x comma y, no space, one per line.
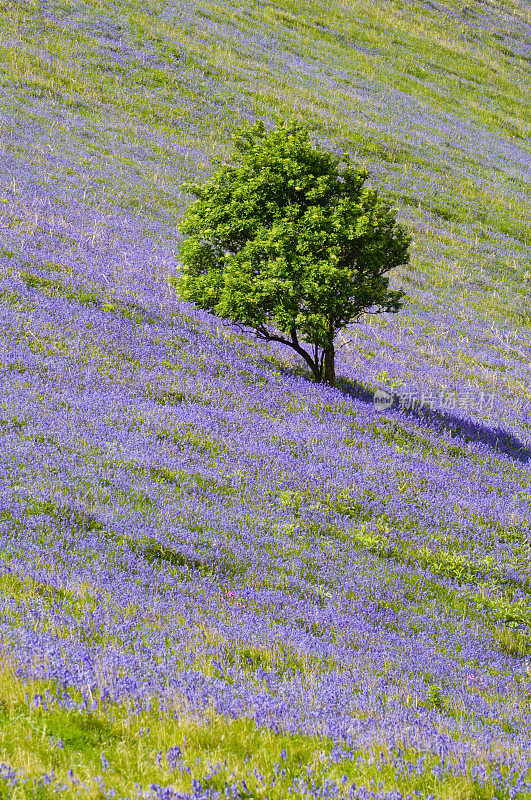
218,578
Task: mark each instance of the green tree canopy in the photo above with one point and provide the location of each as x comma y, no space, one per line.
288,246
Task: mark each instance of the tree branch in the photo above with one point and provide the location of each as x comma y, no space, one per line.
294,344
294,337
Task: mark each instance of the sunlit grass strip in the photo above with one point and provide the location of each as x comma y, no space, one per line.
120,747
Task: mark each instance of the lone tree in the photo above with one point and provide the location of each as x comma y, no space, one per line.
289,247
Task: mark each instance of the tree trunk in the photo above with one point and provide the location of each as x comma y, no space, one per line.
329,363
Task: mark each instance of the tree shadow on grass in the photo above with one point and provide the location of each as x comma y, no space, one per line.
469,430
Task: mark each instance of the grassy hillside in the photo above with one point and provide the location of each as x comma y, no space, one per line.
219,579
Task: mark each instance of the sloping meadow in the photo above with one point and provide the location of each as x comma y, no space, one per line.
219,579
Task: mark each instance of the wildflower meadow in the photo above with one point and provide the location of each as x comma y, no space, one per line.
218,578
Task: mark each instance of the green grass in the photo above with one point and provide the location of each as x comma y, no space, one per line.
123,748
